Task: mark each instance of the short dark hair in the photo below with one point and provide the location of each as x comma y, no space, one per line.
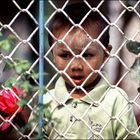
77,12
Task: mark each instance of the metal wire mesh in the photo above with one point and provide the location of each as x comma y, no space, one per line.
75,119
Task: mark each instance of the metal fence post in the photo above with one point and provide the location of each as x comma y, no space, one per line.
41,63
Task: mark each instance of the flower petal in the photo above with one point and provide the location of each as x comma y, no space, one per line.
5,125
15,90
8,100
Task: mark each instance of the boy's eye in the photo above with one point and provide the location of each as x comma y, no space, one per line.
87,55
66,56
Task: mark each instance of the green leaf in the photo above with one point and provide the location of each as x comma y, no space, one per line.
22,103
35,76
11,38
47,113
26,66
21,65
46,110
25,86
10,82
9,63
6,44
18,68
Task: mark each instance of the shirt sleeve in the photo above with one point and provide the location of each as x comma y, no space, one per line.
125,125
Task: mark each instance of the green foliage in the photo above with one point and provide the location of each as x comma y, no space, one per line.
21,65
21,68
5,44
46,111
10,82
22,102
26,86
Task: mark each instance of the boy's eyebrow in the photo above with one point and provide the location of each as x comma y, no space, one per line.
89,50
62,45
63,48
92,47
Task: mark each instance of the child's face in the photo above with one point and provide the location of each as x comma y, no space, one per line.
78,70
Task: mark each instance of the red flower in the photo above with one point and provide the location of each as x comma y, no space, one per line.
8,104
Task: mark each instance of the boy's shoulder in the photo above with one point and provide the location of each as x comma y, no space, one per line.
48,96
117,92
116,95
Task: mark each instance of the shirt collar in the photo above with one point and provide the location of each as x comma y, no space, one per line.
61,92
97,93
93,96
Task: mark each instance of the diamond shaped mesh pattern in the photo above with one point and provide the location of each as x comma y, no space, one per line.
64,117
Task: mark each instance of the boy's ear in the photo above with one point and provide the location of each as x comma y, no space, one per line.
53,59
109,48
52,56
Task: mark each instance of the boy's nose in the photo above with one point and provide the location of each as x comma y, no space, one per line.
76,65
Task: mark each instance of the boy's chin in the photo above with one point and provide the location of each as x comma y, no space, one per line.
84,88
71,86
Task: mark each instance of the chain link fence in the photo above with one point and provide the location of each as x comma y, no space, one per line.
23,25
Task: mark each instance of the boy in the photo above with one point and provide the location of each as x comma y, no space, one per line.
83,104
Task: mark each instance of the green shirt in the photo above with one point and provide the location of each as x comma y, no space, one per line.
104,113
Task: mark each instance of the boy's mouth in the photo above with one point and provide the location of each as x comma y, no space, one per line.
78,80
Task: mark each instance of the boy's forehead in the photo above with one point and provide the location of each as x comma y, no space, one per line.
76,38
92,46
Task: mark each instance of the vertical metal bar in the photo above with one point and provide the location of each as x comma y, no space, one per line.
41,63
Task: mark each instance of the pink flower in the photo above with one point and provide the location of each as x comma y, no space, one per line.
8,104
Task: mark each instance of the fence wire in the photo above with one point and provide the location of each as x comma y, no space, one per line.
26,48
